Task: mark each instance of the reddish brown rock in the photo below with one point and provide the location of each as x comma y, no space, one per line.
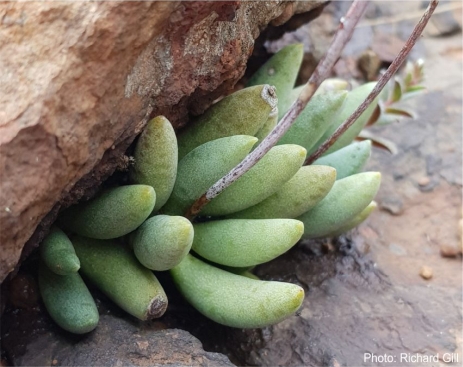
449,250
79,81
62,100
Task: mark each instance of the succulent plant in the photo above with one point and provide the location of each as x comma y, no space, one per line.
389,108
68,300
235,300
58,253
257,218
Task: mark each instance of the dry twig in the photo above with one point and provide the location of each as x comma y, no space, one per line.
400,58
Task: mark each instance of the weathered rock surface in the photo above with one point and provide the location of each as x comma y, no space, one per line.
79,81
115,342
352,309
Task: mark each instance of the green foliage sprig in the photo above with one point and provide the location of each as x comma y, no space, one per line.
389,109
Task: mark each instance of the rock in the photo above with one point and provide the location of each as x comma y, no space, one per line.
427,184
449,250
433,164
424,181
386,46
346,68
24,291
351,307
445,23
80,80
115,342
397,249
393,205
460,233
426,272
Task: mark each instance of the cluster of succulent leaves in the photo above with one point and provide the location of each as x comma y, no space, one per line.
120,237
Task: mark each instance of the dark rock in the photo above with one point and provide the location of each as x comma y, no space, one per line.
393,205
433,183
433,164
449,250
445,23
351,308
115,342
386,46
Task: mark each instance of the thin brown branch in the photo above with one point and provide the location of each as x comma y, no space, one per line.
400,58
322,71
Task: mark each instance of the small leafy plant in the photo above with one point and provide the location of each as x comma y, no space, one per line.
389,108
